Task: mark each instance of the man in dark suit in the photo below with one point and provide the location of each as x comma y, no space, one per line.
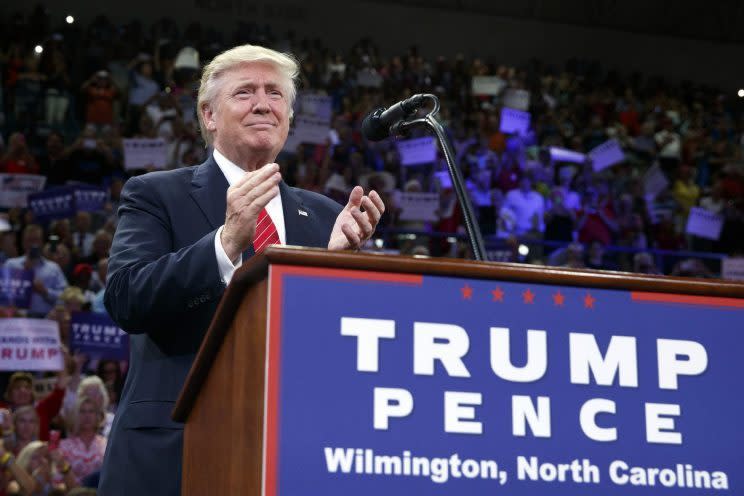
182,234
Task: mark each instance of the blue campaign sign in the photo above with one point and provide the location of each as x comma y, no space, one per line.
398,385
16,287
63,201
89,198
97,336
54,203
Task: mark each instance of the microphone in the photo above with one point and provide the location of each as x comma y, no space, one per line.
376,126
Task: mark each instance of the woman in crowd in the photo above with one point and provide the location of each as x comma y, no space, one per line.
84,447
20,392
91,387
49,470
20,428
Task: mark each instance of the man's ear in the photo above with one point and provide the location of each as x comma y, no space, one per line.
209,117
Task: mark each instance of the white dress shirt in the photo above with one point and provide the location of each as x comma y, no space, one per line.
233,173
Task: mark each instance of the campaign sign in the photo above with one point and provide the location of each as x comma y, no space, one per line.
97,336
440,385
89,198
15,287
54,203
30,344
487,85
654,181
607,154
517,99
704,223
417,151
419,206
63,201
514,121
563,155
15,188
143,153
316,105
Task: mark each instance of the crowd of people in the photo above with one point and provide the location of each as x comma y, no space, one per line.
68,104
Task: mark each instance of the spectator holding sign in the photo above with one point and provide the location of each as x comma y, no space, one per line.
49,280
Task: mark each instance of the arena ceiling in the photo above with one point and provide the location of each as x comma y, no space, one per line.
714,20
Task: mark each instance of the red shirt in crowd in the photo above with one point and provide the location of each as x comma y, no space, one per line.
595,228
47,408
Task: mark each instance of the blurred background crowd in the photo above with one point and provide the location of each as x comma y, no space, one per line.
72,94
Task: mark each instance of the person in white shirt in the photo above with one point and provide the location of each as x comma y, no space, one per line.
528,207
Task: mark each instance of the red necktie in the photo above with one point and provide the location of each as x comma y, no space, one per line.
265,233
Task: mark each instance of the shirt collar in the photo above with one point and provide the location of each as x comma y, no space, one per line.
231,171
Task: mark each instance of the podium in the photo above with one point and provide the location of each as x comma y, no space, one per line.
329,373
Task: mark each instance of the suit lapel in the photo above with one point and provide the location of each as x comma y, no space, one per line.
209,191
300,222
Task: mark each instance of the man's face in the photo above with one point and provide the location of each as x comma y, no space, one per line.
32,239
250,114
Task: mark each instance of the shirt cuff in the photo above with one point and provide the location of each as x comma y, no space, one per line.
226,266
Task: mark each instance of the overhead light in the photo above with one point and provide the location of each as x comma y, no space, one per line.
69,19
38,49
740,93
523,250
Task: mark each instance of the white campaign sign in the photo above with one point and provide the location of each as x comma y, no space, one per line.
315,105
488,85
517,99
607,154
311,130
419,206
564,155
142,153
15,188
514,121
417,151
704,223
30,344
654,181
733,268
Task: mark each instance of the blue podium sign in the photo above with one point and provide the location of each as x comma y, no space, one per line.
395,384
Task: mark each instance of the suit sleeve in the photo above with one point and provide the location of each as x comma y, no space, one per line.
151,287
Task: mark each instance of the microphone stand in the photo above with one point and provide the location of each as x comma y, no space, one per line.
474,233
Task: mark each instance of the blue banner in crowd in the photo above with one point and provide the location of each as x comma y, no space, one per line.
97,336
16,287
62,202
438,385
55,203
89,198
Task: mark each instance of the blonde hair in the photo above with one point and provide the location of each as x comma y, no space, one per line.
27,410
81,400
24,457
284,63
94,380
72,293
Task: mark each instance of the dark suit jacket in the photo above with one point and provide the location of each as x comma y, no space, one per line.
163,288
